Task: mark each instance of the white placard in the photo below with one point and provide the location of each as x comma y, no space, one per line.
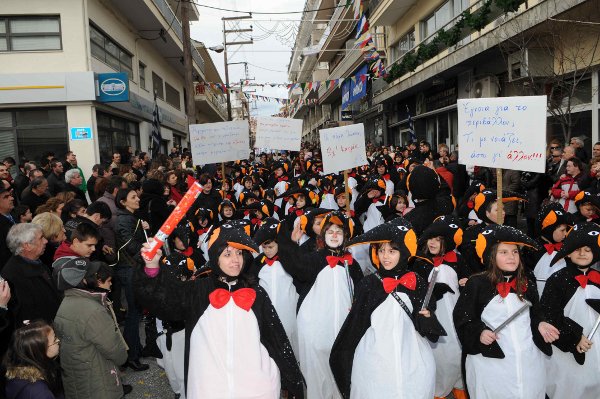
343,148
278,133
503,132
219,142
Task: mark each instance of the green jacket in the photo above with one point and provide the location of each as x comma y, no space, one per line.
91,346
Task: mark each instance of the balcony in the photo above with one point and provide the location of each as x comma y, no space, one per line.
210,103
149,17
387,12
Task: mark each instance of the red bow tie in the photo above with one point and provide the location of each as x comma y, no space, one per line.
272,260
448,257
470,204
592,276
246,213
282,178
409,280
504,288
386,176
299,212
377,199
333,261
188,252
202,231
244,298
552,247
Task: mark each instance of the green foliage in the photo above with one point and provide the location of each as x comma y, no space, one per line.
509,5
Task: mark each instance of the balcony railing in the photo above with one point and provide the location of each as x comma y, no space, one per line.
170,16
217,99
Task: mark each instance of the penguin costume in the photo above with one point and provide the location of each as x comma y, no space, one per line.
308,241
278,284
423,185
328,277
450,269
505,363
235,345
571,302
550,218
381,351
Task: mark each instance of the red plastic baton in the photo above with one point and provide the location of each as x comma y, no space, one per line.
173,220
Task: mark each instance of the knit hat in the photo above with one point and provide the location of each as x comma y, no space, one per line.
584,234
69,271
495,234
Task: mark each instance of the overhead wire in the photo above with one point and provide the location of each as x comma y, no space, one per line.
266,12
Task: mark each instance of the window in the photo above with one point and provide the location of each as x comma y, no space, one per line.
404,45
116,135
172,96
108,51
142,75
22,131
30,33
447,11
157,86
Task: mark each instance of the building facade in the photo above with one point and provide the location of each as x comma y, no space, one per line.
54,95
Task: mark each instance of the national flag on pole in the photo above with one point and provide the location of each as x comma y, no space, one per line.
411,126
156,136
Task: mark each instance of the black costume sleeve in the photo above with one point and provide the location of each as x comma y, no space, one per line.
275,340
369,295
467,319
301,266
362,203
558,291
536,315
428,327
164,295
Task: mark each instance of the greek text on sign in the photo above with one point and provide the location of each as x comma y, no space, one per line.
219,142
278,133
503,132
343,148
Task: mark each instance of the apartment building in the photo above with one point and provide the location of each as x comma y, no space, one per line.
81,75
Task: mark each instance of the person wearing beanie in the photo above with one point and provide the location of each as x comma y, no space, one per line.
571,302
92,347
553,223
506,363
438,253
381,351
423,185
328,277
272,276
235,345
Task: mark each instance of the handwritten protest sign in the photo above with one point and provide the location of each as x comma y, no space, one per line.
278,133
219,142
343,148
503,132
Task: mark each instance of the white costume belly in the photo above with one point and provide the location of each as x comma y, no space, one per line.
543,271
227,359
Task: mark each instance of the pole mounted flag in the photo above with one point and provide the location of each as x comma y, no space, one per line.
156,136
411,126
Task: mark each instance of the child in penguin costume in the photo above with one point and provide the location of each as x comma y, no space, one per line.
506,363
271,275
464,210
439,242
381,172
235,345
310,224
571,302
259,211
423,185
553,222
366,204
381,351
588,207
226,211
328,277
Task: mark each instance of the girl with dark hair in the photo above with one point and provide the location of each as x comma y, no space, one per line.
235,345
72,209
498,354
31,369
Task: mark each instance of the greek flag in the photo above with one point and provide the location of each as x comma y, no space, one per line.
156,136
411,125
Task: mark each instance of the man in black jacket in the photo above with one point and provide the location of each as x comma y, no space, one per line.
55,178
7,203
36,195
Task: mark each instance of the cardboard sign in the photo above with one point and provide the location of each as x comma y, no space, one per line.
278,133
343,148
219,142
503,132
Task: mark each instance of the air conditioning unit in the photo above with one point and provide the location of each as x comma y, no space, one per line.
483,88
326,109
530,63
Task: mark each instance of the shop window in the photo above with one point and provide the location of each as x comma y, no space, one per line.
116,135
173,96
30,33
110,52
157,86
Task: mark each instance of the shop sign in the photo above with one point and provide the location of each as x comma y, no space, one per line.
81,133
346,93
112,87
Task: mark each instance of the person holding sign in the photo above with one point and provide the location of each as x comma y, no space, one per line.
381,350
499,323
235,345
571,301
329,277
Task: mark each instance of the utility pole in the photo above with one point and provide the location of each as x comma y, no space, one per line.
225,61
188,63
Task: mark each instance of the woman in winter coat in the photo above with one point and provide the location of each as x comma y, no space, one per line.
531,182
92,347
569,185
153,205
31,369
